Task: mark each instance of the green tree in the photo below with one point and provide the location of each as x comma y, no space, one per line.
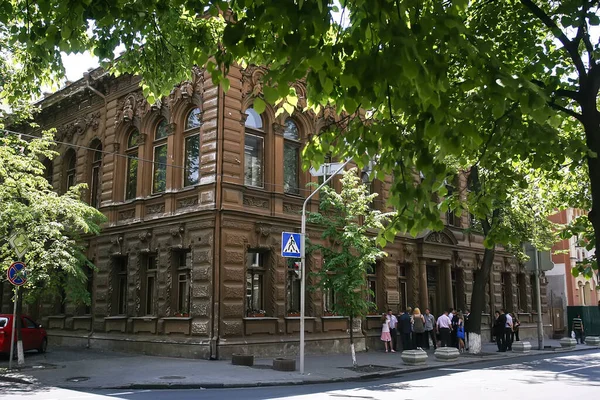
55,225
350,226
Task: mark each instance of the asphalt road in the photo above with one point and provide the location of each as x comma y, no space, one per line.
536,377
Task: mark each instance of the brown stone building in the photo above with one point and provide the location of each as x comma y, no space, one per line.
197,190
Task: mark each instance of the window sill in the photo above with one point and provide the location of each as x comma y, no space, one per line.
59,316
176,319
333,317
82,317
260,319
145,318
298,318
116,317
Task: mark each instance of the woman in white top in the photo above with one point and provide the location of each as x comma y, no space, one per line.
386,338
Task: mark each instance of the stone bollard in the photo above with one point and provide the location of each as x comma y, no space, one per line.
592,341
242,359
446,353
414,357
567,343
284,364
521,347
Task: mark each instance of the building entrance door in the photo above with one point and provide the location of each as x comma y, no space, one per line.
432,290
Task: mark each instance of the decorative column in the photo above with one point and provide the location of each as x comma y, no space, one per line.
447,271
423,294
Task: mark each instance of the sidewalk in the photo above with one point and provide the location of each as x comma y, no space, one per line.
91,369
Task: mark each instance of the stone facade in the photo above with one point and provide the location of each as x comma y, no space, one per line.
173,265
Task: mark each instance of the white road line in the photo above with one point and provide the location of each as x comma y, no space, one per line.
577,369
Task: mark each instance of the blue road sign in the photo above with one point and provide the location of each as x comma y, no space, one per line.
290,244
16,273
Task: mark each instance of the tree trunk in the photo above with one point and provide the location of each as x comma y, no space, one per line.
591,132
354,363
478,301
478,294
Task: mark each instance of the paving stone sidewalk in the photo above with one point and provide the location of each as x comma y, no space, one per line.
92,369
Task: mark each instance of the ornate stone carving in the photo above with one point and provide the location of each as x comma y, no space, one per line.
155,209
252,80
126,214
289,208
186,90
79,126
438,237
117,240
168,284
255,202
263,229
145,236
132,106
178,233
138,285
187,202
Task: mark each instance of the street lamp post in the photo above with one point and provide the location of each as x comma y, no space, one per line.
303,261
538,295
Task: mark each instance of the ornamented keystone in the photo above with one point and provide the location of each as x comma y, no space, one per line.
414,357
446,353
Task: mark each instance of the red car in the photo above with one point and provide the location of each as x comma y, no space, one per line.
33,335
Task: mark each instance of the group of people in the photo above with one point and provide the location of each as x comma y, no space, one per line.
506,330
417,330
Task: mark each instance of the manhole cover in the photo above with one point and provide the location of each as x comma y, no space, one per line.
78,379
172,378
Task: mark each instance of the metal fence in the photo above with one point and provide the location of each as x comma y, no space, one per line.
590,316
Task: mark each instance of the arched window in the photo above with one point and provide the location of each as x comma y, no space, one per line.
193,119
132,164
191,173
159,175
291,158
95,187
253,149
70,162
48,170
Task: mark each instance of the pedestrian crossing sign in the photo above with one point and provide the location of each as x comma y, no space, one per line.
290,244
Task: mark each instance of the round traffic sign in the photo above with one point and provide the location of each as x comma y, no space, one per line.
16,273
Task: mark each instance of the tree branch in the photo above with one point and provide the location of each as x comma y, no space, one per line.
571,94
570,46
567,111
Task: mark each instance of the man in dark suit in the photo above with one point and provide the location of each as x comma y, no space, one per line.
405,329
499,331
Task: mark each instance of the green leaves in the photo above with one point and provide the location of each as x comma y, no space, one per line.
349,246
53,224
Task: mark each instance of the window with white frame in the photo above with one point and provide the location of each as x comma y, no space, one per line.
159,170
291,158
182,260
71,160
150,284
191,138
95,187
255,271
254,144
133,142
